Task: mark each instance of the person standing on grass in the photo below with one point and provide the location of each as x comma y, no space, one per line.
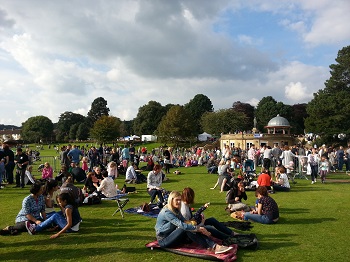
68,221
21,161
9,163
312,160
74,155
64,155
324,167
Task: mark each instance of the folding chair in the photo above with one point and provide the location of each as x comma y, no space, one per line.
121,202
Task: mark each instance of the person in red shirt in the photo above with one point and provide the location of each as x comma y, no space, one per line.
264,179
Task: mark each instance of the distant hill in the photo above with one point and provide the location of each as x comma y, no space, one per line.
2,127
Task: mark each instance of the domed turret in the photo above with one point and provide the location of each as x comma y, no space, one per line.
278,121
277,125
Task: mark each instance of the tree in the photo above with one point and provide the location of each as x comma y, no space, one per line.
196,108
247,110
223,121
125,128
65,122
148,118
73,131
36,129
98,108
83,131
105,129
329,110
268,108
175,126
298,117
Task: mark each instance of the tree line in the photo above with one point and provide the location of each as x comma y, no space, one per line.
326,114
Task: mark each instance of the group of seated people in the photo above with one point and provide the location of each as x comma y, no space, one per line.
38,210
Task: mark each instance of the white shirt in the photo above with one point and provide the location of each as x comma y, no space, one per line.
130,173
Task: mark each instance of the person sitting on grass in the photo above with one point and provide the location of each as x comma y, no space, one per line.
282,183
267,211
131,176
33,210
67,221
47,172
50,193
171,229
107,188
154,183
216,228
264,179
91,183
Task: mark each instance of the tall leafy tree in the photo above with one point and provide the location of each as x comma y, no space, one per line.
196,108
298,117
65,122
37,128
105,129
98,108
175,126
148,118
268,108
329,110
83,131
126,128
223,121
247,110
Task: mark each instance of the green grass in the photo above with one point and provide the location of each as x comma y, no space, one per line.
313,225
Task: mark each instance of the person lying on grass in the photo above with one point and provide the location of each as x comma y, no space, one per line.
67,221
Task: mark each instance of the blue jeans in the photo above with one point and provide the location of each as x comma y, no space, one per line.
217,229
258,218
178,235
56,219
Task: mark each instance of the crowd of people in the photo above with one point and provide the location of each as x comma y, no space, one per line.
53,201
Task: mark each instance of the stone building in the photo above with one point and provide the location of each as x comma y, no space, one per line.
278,132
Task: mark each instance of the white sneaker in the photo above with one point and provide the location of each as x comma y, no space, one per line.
222,249
312,182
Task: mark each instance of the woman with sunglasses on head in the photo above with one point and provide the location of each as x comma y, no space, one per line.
171,229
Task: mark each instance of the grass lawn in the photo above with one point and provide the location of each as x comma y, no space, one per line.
313,225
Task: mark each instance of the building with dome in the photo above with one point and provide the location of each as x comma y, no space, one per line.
278,132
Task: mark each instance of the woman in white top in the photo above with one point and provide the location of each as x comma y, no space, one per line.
107,187
282,183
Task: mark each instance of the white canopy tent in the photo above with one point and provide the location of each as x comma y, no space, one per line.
204,137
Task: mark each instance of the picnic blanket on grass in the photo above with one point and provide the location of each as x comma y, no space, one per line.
195,250
154,211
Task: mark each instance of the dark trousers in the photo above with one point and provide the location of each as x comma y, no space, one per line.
20,177
154,192
9,172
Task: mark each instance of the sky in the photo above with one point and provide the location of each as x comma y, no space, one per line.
58,56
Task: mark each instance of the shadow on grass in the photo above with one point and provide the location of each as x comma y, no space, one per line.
276,241
305,221
294,210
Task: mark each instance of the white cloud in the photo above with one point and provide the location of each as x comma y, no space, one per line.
297,92
60,56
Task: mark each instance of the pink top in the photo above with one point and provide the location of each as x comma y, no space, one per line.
84,166
47,173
